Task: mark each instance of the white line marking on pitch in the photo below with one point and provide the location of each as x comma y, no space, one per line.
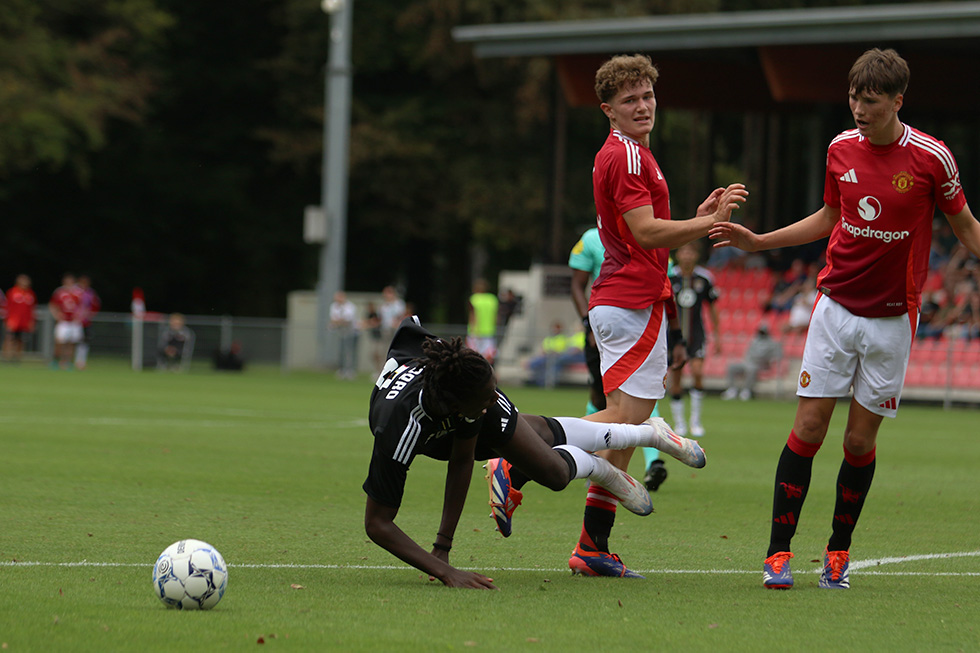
863,564
856,565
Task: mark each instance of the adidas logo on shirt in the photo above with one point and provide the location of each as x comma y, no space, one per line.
850,177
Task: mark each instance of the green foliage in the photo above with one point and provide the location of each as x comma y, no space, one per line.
102,470
70,68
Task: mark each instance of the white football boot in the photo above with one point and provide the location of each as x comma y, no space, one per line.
687,451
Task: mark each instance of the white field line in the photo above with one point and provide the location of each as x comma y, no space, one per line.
863,565
130,422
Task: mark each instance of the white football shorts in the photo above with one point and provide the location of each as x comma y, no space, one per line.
68,333
845,351
632,347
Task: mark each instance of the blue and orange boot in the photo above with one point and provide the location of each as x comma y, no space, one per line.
504,498
776,574
589,562
834,574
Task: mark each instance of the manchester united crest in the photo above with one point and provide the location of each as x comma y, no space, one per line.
903,182
804,379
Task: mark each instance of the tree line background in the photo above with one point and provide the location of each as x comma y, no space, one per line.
173,144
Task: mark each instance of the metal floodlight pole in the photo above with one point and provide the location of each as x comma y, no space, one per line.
336,125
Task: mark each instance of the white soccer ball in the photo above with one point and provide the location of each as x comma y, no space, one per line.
190,575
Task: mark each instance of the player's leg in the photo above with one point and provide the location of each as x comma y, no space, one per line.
853,482
633,357
878,381
597,398
792,484
539,451
82,349
675,387
592,555
554,463
696,393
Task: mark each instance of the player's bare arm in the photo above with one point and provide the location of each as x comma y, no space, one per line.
379,523
651,233
967,229
459,472
813,227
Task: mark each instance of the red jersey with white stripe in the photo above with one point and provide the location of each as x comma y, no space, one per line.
20,309
68,300
878,254
625,177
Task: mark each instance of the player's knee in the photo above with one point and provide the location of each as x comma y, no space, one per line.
555,477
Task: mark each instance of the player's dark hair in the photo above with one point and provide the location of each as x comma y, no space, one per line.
453,371
879,71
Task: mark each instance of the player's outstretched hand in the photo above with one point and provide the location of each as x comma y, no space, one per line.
710,203
728,200
730,234
468,580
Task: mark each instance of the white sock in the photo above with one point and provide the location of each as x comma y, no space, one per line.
595,436
677,410
81,355
584,461
696,397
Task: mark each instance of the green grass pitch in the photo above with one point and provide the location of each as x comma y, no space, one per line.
101,470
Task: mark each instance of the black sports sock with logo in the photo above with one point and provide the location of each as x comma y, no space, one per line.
853,483
792,483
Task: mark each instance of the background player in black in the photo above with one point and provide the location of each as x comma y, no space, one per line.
438,398
693,288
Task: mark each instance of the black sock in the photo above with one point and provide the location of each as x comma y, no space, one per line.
597,524
792,482
853,484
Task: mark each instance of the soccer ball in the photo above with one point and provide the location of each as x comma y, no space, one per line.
190,575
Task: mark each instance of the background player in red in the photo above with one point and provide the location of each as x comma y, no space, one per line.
21,301
89,304
883,183
64,306
629,297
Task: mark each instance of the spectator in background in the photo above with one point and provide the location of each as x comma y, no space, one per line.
19,319
481,330
510,305
138,305
372,326
558,351
787,287
343,320
89,305
64,306
176,345
230,360
763,353
391,311
799,312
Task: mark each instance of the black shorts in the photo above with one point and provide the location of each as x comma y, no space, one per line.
595,372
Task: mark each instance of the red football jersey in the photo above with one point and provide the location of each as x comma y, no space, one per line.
68,301
625,177
20,309
878,253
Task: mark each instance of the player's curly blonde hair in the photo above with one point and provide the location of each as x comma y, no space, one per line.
879,71
623,71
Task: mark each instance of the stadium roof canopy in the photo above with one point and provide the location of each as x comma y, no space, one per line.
757,60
